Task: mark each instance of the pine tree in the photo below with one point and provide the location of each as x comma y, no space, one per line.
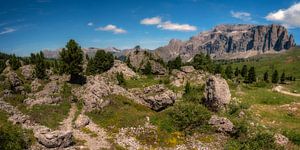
266,76
202,62
228,72
282,78
148,69
72,60
244,71
236,72
102,62
251,75
275,77
120,78
40,67
14,62
175,64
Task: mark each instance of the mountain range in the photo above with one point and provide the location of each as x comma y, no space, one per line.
226,41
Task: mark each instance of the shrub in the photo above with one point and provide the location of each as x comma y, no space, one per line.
189,116
121,79
293,136
192,94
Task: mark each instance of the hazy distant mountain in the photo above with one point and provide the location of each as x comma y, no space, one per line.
230,41
91,51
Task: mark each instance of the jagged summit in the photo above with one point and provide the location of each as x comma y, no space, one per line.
227,41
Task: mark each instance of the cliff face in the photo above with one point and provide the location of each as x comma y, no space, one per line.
230,41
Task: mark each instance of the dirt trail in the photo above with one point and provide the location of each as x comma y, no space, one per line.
280,90
93,142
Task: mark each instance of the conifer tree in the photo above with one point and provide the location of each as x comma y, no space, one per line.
72,60
228,72
244,71
14,62
236,72
251,75
282,78
102,62
148,69
275,77
266,76
40,67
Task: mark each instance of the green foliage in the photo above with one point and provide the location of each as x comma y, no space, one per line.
236,72
102,62
218,69
175,64
189,116
228,72
203,62
40,67
72,59
294,136
244,71
187,88
191,93
251,76
2,66
266,77
121,112
275,77
66,91
121,79
14,62
148,69
12,137
282,78
260,141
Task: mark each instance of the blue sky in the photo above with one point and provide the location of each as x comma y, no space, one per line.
32,25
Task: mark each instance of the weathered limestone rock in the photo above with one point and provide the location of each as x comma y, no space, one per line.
222,124
53,139
81,121
14,79
35,84
217,93
119,66
27,72
157,97
280,139
187,69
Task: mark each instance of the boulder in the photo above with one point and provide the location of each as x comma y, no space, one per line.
35,84
187,69
280,139
118,67
53,139
222,124
81,121
157,68
27,72
217,93
157,97
14,79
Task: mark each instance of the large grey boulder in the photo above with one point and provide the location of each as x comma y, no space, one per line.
15,81
217,93
187,69
81,121
120,67
222,124
53,139
157,97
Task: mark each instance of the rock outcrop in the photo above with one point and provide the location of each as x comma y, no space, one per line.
187,74
221,124
280,139
120,67
81,121
27,72
230,41
217,93
139,59
156,97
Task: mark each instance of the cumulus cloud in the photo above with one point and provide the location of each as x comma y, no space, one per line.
7,30
112,28
151,21
245,16
167,25
90,24
289,17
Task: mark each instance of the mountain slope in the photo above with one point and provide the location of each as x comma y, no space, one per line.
231,41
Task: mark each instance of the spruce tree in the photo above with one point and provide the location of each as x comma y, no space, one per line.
236,72
175,64
102,62
282,78
275,77
244,71
148,69
72,60
40,67
228,72
251,75
266,76
14,62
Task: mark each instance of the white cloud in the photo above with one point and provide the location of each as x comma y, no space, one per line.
112,28
7,30
289,17
151,21
90,24
168,25
245,16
